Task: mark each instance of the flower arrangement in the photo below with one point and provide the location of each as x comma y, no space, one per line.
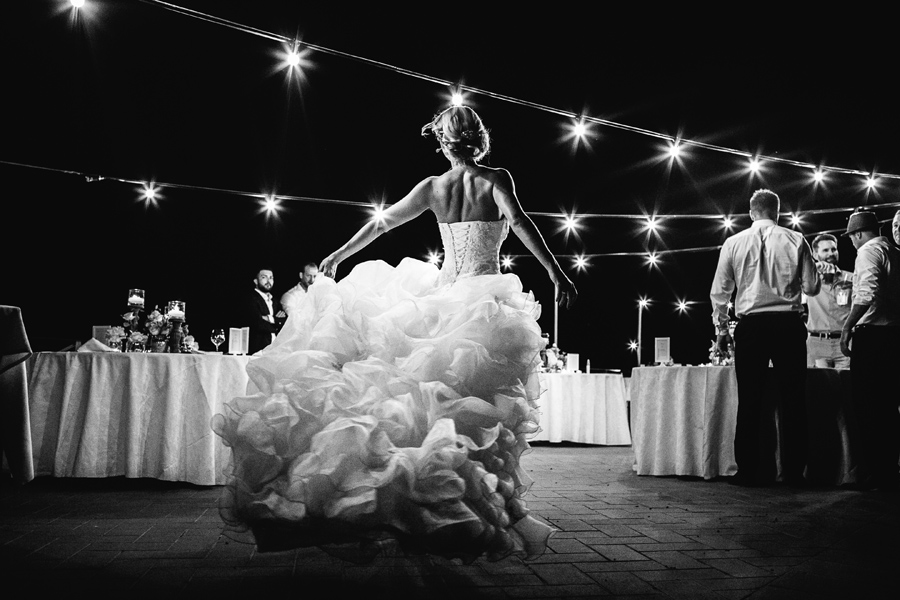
188,343
114,337
157,323
156,332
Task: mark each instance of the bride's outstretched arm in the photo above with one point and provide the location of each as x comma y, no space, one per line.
409,207
521,223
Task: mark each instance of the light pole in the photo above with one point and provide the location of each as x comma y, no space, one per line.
555,316
642,304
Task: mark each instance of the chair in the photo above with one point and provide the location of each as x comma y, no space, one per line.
15,425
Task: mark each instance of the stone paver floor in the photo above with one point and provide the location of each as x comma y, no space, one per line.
621,536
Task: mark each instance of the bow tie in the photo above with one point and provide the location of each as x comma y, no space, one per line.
268,296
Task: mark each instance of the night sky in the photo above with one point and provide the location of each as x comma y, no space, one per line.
131,90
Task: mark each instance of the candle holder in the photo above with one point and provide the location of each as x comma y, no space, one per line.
175,310
136,298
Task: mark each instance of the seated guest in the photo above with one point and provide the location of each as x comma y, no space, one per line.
292,298
829,308
258,313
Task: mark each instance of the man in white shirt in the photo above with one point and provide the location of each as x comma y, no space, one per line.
769,267
291,299
829,308
871,337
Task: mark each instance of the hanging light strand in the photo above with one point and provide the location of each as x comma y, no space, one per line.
459,88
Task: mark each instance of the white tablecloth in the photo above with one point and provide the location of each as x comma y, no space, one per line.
683,421
97,414
584,408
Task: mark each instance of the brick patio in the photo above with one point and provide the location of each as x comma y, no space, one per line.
621,536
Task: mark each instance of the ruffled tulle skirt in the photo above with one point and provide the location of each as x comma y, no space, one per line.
391,409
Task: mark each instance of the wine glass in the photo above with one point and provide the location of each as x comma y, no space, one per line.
217,337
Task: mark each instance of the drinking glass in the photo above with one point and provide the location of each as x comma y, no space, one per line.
217,337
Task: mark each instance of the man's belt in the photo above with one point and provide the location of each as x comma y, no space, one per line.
826,335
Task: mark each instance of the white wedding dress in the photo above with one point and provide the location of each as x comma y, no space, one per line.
395,405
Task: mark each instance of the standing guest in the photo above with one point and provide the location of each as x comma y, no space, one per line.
769,266
870,335
258,312
829,309
291,299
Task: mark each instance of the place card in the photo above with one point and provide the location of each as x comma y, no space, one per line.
663,354
235,340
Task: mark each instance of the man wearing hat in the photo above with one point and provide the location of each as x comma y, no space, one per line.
871,337
770,267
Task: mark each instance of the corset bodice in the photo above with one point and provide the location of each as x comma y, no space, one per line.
471,248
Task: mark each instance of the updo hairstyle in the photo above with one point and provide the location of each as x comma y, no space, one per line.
459,129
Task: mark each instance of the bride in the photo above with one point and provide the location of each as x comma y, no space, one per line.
394,406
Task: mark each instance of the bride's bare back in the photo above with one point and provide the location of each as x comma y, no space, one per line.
466,194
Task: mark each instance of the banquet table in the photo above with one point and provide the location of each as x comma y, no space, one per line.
104,414
588,408
683,423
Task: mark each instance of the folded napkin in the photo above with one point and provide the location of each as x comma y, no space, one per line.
94,345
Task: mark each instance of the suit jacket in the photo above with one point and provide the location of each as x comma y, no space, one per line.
254,313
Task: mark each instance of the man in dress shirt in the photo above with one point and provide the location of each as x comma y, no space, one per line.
258,311
291,299
871,336
829,309
770,267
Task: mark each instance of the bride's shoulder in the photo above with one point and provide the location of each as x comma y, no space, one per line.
498,177
497,173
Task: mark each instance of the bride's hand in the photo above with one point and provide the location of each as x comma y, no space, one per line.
566,294
329,266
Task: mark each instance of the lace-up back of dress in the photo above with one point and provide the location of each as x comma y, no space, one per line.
471,248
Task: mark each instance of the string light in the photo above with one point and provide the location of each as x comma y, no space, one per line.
681,306
434,257
149,193
583,119
580,129
652,259
754,165
293,59
818,175
871,182
378,213
633,345
269,205
795,220
581,263
457,99
674,149
570,224
643,302
728,222
652,224
507,262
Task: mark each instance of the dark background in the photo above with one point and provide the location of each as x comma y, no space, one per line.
130,90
